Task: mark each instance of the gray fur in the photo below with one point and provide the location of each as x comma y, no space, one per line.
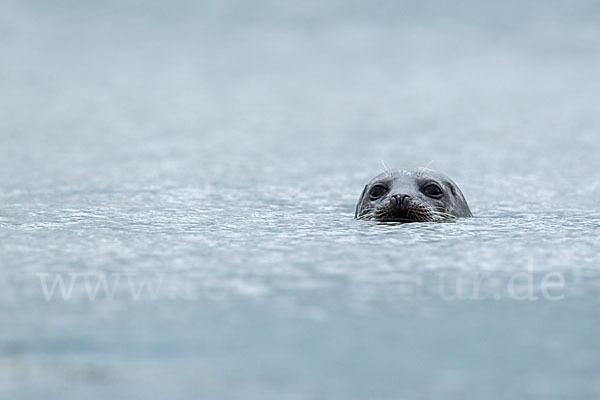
406,200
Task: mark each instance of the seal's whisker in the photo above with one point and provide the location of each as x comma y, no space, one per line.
444,215
368,214
429,164
387,169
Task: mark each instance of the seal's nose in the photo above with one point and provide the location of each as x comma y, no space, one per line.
398,200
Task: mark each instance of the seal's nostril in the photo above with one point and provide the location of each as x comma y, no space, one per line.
398,199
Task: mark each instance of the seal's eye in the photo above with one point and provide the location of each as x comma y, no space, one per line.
377,191
432,190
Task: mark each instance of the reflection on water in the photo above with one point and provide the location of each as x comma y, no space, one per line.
178,183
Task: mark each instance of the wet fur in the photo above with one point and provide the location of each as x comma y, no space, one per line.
417,209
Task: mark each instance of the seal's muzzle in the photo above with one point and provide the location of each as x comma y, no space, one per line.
399,205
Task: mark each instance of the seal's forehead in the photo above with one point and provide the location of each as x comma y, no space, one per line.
426,173
395,176
390,174
420,173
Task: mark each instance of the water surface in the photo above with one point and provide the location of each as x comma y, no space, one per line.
216,152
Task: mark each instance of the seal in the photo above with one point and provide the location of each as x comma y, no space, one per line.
420,195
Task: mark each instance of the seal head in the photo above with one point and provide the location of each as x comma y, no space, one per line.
419,195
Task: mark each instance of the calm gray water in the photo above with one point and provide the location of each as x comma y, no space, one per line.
203,160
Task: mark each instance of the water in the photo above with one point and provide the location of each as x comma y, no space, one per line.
216,153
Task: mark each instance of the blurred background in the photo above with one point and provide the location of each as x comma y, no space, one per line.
225,144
